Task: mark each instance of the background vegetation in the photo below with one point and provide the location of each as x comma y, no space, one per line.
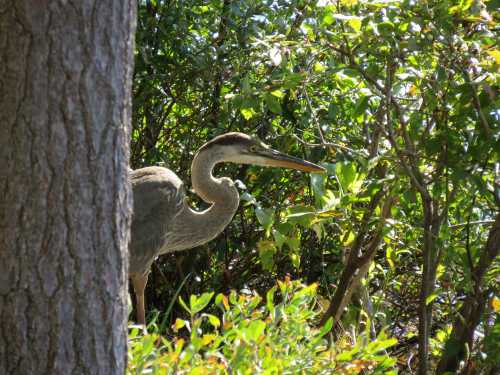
399,101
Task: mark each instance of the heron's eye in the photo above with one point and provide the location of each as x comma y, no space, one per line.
253,148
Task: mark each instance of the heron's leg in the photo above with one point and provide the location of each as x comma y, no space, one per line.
139,283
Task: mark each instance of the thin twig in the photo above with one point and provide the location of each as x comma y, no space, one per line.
477,222
477,105
315,119
329,144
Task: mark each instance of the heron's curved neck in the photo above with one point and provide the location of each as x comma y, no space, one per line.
194,228
219,191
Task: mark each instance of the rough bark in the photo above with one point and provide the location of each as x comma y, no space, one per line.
65,204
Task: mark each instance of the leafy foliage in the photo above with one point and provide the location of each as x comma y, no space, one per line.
397,99
275,337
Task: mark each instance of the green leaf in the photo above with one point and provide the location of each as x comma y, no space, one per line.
381,343
346,173
285,228
301,214
461,7
295,258
318,229
179,323
292,80
319,68
385,27
278,93
361,106
267,249
279,238
184,305
293,243
265,216
148,345
199,303
222,301
328,19
270,298
347,355
247,113
355,24
318,186
273,103
390,256
431,297
325,329
214,321
254,330
329,214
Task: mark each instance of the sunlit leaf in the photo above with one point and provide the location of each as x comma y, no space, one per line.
222,299
254,330
207,339
329,213
390,256
179,323
199,303
214,321
265,217
267,249
431,297
247,113
295,258
278,93
495,303
495,54
355,23
346,172
183,304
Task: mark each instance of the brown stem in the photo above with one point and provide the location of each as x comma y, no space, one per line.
357,266
469,315
427,287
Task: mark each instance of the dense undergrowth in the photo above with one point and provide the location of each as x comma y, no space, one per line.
249,334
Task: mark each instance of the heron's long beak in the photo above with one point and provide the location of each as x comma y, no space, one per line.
275,158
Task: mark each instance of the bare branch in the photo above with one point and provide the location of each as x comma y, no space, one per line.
477,105
477,222
329,144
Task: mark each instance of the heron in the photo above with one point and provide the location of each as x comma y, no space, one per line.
163,221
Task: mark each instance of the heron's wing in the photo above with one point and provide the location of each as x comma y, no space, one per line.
158,198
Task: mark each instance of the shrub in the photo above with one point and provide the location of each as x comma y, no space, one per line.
252,336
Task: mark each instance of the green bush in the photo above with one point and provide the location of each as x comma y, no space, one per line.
252,336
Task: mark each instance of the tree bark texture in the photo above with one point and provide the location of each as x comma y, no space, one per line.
65,203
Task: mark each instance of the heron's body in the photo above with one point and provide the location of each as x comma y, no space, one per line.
163,222
158,199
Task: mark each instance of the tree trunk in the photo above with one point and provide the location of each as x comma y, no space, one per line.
65,205
426,288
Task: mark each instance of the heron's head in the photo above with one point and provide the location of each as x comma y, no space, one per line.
244,149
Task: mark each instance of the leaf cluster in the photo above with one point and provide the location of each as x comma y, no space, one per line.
250,336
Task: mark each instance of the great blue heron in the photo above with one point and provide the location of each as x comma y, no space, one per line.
163,222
